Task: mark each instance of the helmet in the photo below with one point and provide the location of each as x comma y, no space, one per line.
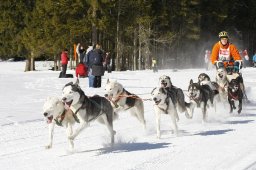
223,34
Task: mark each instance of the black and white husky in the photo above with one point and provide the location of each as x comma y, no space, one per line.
204,79
122,100
235,93
201,96
55,113
176,95
87,109
163,104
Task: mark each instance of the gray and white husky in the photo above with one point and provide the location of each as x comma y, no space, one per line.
200,96
55,113
122,100
87,109
176,95
163,104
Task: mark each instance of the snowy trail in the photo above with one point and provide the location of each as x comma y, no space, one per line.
225,142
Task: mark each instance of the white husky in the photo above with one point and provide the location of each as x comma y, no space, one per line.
222,81
122,100
164,105
55,113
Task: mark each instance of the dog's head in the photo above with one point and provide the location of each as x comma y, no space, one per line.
203,77
193,90
165,81
53,108
71,93
159,95
234,85
221,74
113,89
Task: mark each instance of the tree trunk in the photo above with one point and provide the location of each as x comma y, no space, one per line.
94,28
27,66
55,63
139,61
117,40
32,64
134,50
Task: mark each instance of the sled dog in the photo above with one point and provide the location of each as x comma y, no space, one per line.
176,95
122,100
235,94
222,81
204,79
163,104
55,113
87,109
200,96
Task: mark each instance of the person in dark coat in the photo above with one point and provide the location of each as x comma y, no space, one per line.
95,64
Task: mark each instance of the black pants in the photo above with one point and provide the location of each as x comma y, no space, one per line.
97,82
64,70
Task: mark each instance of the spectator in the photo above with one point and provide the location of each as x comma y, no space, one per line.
88,63
80,52
81,70
64,62
154,65
108,62
245,58
95,64
207,58
254,59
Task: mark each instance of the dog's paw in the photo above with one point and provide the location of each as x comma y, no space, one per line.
48,146
158,136
239,111
188,116
71,137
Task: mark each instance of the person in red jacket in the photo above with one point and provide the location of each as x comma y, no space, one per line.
81,70
64,62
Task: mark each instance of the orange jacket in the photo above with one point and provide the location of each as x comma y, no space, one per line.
233,52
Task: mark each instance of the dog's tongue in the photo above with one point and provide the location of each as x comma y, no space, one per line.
49,120
66,106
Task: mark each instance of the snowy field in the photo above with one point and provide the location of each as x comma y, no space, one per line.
225,142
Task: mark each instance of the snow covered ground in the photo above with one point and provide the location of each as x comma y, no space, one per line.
226,141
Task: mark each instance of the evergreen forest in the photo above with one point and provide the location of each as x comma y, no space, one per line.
174,32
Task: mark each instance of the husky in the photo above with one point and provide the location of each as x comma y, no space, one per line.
204,79
176,94
87,109
122,100
164,105
55,113
238,77
200,96
235,93
222,81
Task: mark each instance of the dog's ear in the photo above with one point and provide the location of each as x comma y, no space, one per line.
77,82
163,90
191,81
168,77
